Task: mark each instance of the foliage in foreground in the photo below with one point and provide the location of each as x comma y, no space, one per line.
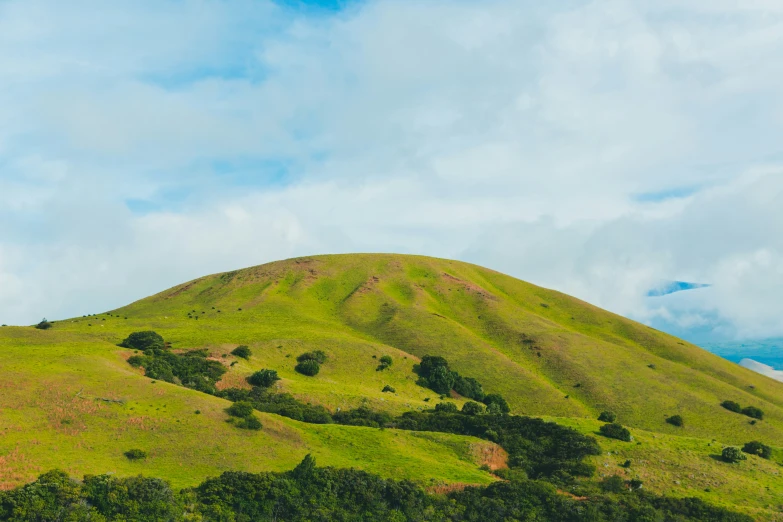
309,493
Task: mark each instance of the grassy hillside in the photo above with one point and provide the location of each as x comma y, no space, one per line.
548,354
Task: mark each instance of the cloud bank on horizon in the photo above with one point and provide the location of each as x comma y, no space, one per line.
592,147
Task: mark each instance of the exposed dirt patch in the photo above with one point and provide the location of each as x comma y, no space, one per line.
368,285
232,380
492,456
471,287
181,289
570,495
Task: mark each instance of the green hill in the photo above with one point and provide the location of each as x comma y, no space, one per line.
547,353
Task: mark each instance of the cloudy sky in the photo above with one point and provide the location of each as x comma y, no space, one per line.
599,148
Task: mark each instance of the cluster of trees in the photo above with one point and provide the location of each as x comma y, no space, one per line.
263,399
190,369
309,363
750,411
435,374
311,493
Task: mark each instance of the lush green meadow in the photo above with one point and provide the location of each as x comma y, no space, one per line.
548,354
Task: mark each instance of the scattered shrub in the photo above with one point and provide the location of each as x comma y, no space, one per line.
607,416
250,422
197,412
389,389
263,378
240,409
386,361
496,403
317,355
635,484
732,406
752,411
469,387
44,324
446,407
757,448
615,431
242,351
136,454
732,454
676,420
613,484
626,464
309,367
143,341
472,408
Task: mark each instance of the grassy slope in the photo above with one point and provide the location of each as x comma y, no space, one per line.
490,326
49,417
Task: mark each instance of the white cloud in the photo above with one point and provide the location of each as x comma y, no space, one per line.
520,137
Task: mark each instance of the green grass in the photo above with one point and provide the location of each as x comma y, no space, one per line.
532,345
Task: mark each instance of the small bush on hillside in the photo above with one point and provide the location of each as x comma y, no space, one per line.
732,406
496,403
446,407
757,448
309,367
317,356
469,387
676,420
752,411
731,454
250,422
472,408
136,454
389,389
386,361
44,324
143,341
242,351
263,378
607,416
441,380
613,484
615,431
240,409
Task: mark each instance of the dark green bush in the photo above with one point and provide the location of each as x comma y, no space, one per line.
192,369
607,416
732,454
263,378
280,403
389,389
44,324
676,420
249,422
240,409
362,416
309,367
385,361
469,387
446,407
732,406
752,411
135,454
615,431
147,340
472,408
498,402
317,355
613,484
242,351
757,448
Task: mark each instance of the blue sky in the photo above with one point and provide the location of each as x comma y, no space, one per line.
598,148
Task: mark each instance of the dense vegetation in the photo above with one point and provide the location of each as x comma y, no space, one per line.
309,493
191,369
